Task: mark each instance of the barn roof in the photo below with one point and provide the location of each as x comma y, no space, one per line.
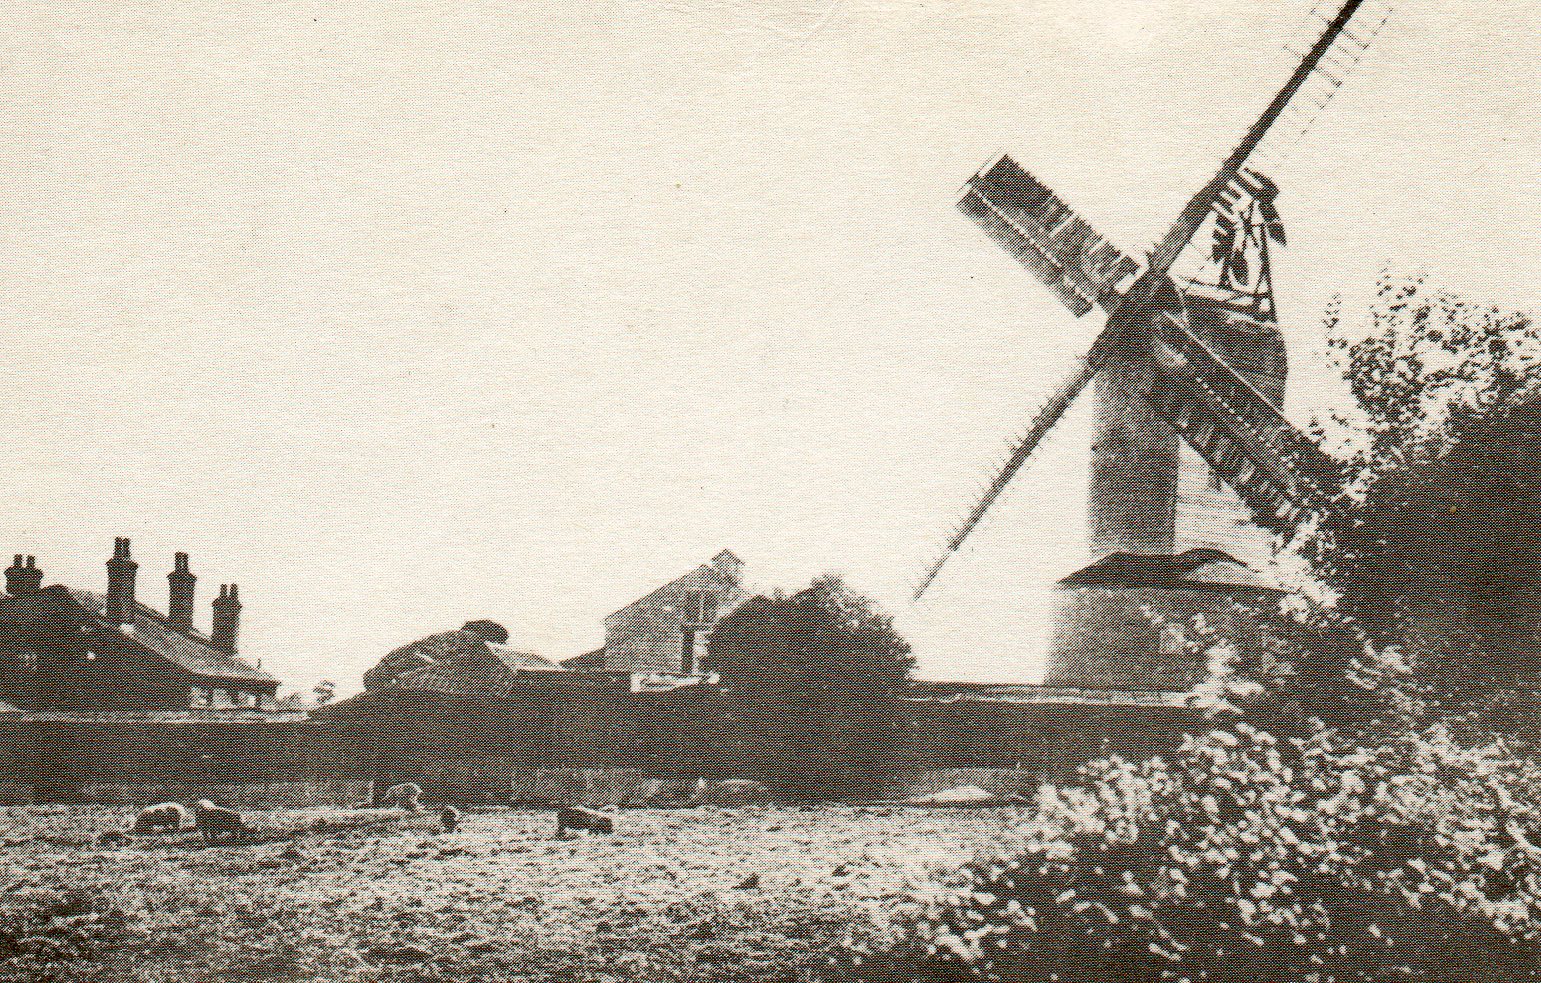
1202,568
191,652
465,646
458,663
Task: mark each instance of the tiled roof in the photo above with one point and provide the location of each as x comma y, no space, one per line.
432,650
1197,568
192,652
457,663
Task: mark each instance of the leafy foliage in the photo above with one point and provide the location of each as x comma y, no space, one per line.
814,681
1434,546
1251,859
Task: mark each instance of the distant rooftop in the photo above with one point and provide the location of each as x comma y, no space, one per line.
191,650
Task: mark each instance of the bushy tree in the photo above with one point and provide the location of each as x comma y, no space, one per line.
815,682
1435,547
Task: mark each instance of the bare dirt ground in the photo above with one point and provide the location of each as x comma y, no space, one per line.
330,894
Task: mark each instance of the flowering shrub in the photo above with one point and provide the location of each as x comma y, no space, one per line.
1249,859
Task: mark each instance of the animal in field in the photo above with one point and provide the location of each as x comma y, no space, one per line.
407,795
577,817
158,818
449,818
217,821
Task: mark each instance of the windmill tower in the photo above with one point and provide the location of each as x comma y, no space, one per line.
1194,468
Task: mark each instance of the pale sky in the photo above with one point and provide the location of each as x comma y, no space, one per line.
401,316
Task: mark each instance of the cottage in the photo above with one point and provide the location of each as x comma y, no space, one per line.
665,632
64,649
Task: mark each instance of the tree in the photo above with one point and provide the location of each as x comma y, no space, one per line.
815,682
324,692
1436,545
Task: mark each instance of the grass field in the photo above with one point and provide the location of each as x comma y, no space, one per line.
329,894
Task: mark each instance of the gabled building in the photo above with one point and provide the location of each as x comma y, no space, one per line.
65,649
666,630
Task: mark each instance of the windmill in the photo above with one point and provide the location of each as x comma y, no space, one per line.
1189,376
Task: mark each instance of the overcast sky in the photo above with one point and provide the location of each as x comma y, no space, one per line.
400,317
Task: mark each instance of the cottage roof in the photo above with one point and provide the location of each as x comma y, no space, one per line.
1202,568
488,674
192,652
432,650
459,663
517,660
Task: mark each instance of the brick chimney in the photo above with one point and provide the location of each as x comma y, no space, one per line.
179,606
227,618
121,573
23,578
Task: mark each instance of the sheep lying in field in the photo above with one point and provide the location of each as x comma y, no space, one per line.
407,795
577,817
166,816
215,821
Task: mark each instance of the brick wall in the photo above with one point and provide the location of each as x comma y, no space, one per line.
464,751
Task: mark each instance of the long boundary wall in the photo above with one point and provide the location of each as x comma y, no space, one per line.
590,746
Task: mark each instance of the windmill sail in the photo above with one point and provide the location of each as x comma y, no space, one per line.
1047,417
1276,471
1082,268
1311,64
